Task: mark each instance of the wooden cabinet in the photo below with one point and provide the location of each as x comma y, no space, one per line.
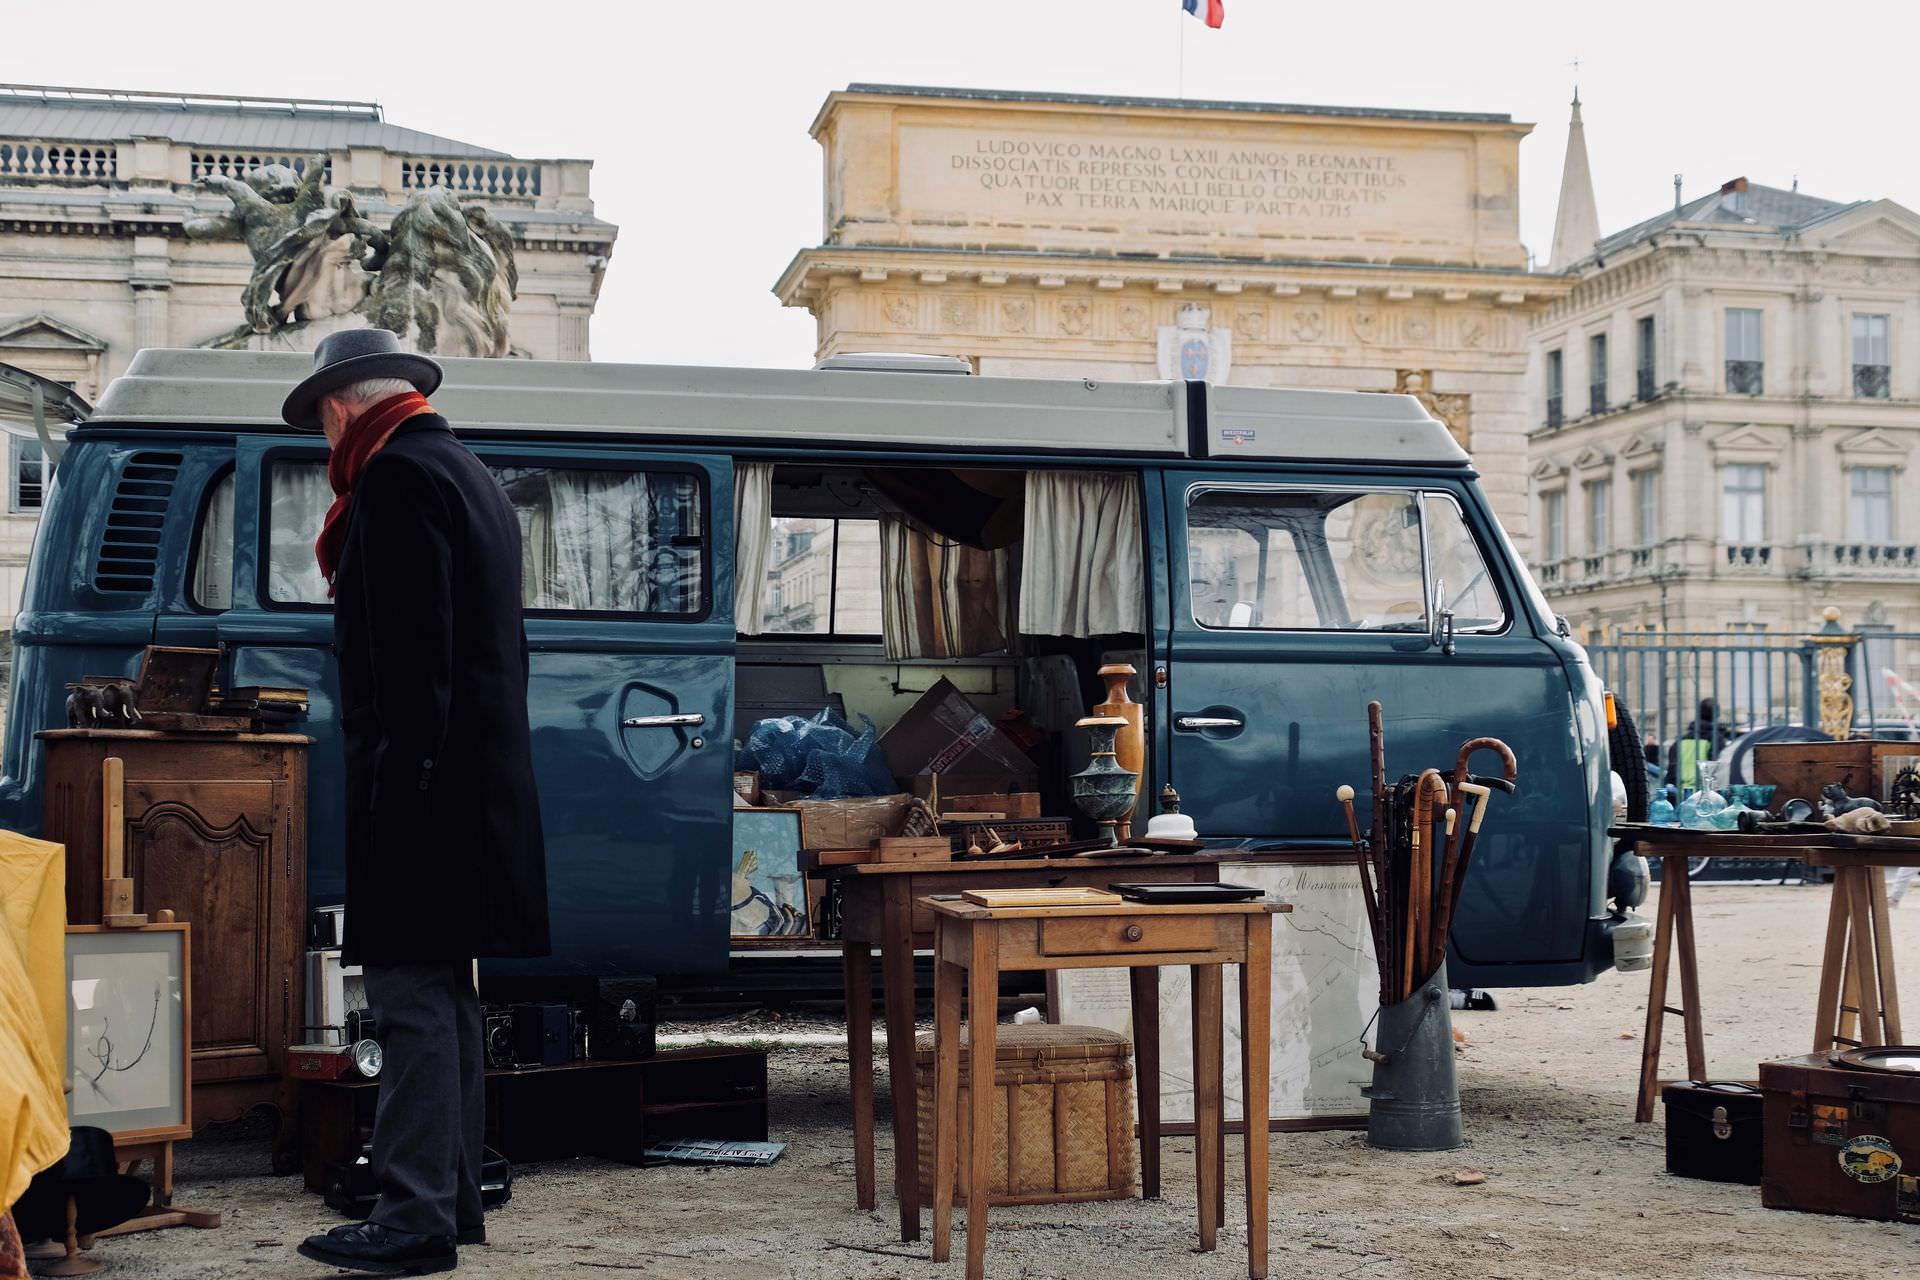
215,830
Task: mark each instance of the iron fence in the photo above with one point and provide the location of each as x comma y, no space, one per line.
1758,680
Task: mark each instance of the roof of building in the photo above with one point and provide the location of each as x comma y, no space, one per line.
1184,104
723,408
1737,205
286,126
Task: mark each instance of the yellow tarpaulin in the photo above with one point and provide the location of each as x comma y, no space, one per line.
33,1010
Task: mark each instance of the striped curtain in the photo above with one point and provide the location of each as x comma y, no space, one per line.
940,599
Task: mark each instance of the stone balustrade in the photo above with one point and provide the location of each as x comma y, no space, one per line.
144,162
1828,558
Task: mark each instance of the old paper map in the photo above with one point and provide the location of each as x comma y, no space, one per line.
1325,989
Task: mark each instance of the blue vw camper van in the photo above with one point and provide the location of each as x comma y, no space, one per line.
708,546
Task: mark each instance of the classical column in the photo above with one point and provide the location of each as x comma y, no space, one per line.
151,280
574,315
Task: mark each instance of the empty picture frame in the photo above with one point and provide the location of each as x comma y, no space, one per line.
130,1031
769,887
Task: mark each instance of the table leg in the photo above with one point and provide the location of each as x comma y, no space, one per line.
1860,948
1883,953
947,978
1206,1098
1833,969
1144,981
1657,991
858,965
983,1012
1692,1023
896,962
1255,1032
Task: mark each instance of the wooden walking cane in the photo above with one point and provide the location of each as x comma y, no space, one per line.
1363,858
1420,905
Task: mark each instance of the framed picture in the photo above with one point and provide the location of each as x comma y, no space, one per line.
130,1031
769,891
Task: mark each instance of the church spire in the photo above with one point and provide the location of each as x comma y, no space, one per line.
1576,226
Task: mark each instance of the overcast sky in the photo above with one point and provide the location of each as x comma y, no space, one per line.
696,114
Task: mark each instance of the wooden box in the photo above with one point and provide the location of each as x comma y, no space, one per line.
1800,769
216,830
1062,1115
1834,1139
1010,805
1034,833
914,849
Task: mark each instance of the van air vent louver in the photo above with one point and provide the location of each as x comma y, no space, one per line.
130,547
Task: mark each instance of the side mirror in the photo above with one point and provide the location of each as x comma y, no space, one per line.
1440,619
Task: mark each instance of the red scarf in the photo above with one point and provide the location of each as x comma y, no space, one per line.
364,437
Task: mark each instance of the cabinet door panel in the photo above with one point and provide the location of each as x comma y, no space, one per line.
208,850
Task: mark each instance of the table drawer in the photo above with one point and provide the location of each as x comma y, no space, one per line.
1114,936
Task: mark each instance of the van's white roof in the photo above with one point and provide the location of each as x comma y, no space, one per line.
244,389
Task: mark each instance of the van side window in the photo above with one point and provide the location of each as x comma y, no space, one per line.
601,541
1330,560
212,582
1460,570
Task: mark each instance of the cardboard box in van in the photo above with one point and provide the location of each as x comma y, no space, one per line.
944,733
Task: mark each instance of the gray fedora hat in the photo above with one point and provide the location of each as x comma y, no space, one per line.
353,355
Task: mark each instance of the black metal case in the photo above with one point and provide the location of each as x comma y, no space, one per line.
1713,1130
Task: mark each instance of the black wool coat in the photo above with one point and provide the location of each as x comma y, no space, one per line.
445,859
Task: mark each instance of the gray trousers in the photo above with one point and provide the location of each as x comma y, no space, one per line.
428,1129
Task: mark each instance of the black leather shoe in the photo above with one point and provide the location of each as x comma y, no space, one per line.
368,1246
472,1235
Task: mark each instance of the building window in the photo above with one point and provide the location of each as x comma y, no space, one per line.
825,577
1553,515
1644,365
1743,504
1745,362
1870,504
1556,386
1871,374
1646,508
1597,373
1599,495
31,475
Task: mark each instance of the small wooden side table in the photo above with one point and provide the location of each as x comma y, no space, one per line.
972,944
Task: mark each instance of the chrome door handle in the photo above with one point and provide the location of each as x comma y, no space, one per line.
1208,722
690,719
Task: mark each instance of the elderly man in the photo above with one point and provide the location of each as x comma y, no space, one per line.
444,855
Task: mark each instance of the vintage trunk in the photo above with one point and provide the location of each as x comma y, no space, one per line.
1062,1115
216,829
1841,1139
1800,769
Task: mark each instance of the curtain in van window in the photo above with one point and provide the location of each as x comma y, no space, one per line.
1083,568
752,543
299,496
213,560
586,546
940,599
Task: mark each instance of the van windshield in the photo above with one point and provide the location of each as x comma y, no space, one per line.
1334,560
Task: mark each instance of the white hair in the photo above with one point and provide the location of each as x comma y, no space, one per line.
356,396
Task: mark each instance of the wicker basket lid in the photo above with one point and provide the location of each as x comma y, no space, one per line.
1043,1042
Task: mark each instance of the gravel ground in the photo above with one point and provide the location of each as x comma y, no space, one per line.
1573,1188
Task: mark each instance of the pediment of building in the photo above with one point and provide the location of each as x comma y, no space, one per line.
1549,469
1749,439
1592,457
43,332
1874,443
1644,446
1883,228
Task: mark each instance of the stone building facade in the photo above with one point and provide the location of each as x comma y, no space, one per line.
1723,408
96,189
1071,235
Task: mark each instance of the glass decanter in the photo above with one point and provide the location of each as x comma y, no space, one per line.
1699,810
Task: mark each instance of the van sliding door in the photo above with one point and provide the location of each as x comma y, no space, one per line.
1293,605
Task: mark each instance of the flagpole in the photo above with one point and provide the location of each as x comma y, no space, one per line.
1180,15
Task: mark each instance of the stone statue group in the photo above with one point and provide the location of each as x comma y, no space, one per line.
441,273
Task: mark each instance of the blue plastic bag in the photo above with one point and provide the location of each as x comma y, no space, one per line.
821,758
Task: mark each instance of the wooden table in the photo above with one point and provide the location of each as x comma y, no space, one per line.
881,907
974,943
1859,999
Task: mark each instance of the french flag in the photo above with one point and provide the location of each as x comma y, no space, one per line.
1214,11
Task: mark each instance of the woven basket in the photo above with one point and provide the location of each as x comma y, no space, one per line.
1062,1116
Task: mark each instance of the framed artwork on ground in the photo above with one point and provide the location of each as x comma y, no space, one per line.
769,891
130,1031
